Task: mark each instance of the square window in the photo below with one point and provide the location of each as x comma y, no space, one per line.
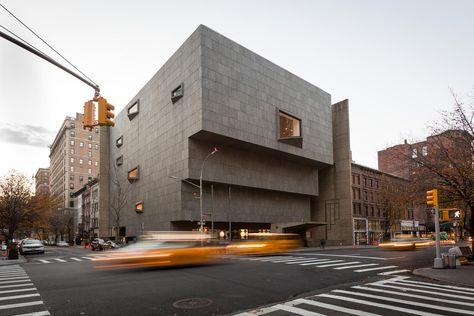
289,129
177,93
132,110
81,144
119,161
119,141
81,178
89,137
139,207
133,174
72,143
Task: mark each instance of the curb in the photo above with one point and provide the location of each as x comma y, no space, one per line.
6,262
418,273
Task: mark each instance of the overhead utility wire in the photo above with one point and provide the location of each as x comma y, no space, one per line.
18,37
47,44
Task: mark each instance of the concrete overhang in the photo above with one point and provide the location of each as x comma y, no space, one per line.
279,227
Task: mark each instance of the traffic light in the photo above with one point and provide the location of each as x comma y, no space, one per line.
88,117
432,198
105,112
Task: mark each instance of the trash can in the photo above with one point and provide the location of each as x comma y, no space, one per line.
445,259
452,261
12,251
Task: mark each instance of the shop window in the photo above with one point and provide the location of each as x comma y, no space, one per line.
177,93
289,129
132,110
133,175
139,207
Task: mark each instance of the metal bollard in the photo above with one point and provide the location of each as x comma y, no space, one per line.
452,261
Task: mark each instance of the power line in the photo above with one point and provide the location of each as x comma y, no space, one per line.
19,38
64,58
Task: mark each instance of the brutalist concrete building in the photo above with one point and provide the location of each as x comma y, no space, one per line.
283,158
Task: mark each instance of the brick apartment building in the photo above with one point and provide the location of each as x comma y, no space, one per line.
42,181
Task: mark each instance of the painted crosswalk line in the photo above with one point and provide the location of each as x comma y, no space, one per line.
399,294
18,295
394,272
376,268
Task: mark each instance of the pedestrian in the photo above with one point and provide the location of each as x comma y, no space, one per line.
322,242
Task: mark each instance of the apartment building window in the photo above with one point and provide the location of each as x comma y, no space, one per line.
72,134
119,161
81,144
365,195
96,163
90,162
177,93
424,151
414,153
119,141
90,146
371,196
371,183
89,178
132,110
133,175
365,181
96,130
358,179
96,146
89,154
89,171
73,125
139,207
71,186
377,184
72,169
71,177
72,143
81,178
72,160
289,129
72,151
89,137
81,161
372,210
366,210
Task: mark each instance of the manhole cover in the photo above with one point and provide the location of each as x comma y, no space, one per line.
189,303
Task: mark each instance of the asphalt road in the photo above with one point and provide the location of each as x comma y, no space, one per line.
69,284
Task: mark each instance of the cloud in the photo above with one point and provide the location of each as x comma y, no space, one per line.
28,135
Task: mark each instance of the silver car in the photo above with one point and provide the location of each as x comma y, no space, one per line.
31,246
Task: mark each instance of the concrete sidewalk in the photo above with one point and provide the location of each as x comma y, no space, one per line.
4,261
462,275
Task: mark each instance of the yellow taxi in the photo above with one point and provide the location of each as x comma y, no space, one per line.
265,243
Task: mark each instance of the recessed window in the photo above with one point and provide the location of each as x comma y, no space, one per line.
72,143
81,161
89,154
81,144
72,134
133,174
96,146
119,141
424,151
177,93
72,160
89,171
71,177
89,137
90,162
414,153
119,161
72,169
89,178
132,110
139,207
71,185
96,163
81,178
289,129
72,151
90,146
97,130
73,125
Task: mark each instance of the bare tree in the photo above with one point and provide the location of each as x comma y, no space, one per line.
15,208
119,193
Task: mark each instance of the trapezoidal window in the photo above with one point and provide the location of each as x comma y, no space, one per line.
139,207
177,93
289,129
132,110
133,174
119,141
119,161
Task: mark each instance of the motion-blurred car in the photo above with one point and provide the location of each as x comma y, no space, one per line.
265,243
63,243
163,249
98,244
31,246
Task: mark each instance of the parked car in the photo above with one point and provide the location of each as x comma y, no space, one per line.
31,246
63,243
98,244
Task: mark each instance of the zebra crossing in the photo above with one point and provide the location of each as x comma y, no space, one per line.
66,260
399,295
18,295
332,262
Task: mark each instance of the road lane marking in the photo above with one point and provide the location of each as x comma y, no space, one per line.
437,299
17,281
76,259
324,262
306,261
377,268
411,303
422,291
14,278
15,285
266,257
43,313
60,260
14,297
21,305
18,290
88,258
334,307
296,310
394,272
440,285
337,264
395,308
43,261
430,287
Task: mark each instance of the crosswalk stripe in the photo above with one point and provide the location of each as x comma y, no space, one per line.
43,261
441,285
358,266
15,285
334,307
266,257
16,281
12,274
377,268
284,260
18,290
316,263
393,272
424,291
430,287
374,304
88,258
76,259
402,293
43,313
60,260
21,305
347,256
296,310
14,297
337,264
411,303
306,261
14,278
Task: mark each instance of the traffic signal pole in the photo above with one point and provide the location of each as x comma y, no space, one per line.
438,262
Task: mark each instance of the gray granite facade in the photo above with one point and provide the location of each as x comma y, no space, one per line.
231,100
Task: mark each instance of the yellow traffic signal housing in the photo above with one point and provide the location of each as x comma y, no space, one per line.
88,117
105,113
449,214
432,198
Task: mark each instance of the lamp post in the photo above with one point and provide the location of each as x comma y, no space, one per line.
201,224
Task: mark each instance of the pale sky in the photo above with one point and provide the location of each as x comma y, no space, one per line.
395,61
